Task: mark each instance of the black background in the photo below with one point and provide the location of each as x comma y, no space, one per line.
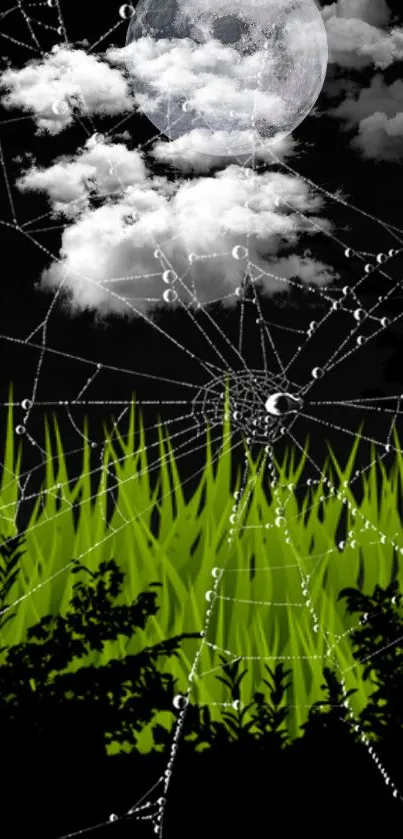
119,344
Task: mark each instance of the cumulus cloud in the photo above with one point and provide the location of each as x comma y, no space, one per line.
52,87
356,44
218,84
100,168
192,151
380,138
205,75
374,12
355,35
115,256
377,113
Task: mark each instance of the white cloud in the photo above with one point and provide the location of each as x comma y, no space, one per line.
377,111
108,254
50,87
192,151
380,137
357,44
104,168
375,12
220,84
355,35
211,77
378,96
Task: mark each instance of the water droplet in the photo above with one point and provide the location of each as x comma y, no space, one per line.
317,373
170,295
392,252
385,322
169,276
60,108
279,521
348,253
210,595
236,704
51,3
192,258
162,801
368,268
359,314
239,291
180,701
26,404
60,30
361,340
313,324
158,253
240,252
381,257
126,11
130,218
20,429
186,107
336,305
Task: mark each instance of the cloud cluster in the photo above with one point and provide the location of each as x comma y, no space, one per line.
210,77
360,35
192,151
377,111
374,12
99,169
115,256
354,43
51,88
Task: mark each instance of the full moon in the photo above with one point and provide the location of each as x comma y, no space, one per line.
245,71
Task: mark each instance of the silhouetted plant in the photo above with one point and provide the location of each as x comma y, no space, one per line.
107,703
321,722
378,644
270,718
267,720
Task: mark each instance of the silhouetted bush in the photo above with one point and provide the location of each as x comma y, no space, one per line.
94,705
378,644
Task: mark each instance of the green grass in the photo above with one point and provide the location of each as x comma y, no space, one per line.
192,540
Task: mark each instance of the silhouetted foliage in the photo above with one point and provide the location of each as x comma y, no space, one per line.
270,716
320,722
378,644
93,704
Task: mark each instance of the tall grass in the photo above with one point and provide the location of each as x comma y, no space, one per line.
191,540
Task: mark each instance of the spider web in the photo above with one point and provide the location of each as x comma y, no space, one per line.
276,393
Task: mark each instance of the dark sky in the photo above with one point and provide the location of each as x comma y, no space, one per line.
328,158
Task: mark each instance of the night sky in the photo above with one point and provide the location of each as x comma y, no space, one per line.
351,146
